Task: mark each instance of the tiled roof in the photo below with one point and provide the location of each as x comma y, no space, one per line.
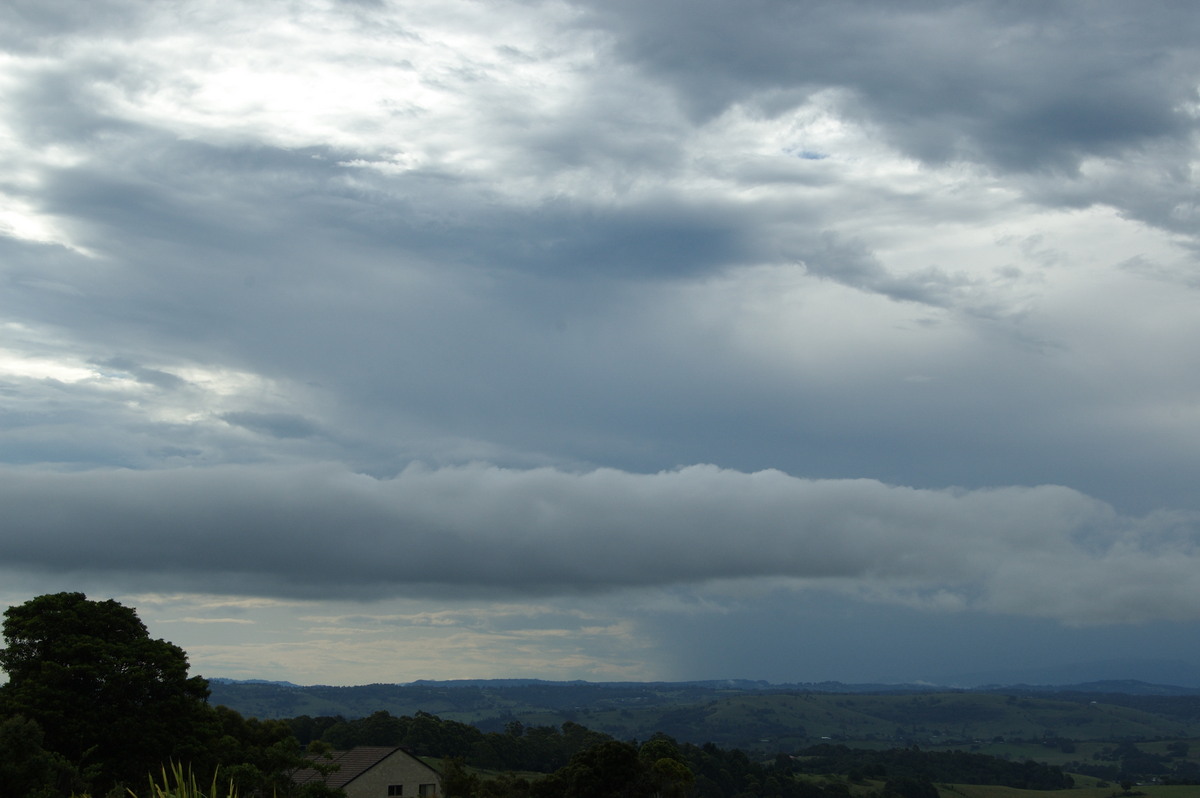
352,764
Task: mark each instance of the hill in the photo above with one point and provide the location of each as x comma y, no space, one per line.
755,716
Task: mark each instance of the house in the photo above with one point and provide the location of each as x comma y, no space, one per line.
376,772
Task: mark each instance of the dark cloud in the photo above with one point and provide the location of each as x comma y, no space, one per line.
278,425
33,24
782,637
668,238
1016,87
322,531
852,264
266,260
149,376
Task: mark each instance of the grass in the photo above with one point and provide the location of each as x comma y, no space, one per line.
180,782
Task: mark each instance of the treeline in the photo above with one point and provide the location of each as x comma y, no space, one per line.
576,759
957,767
571,761
1124,761
256,756
658,768
543,749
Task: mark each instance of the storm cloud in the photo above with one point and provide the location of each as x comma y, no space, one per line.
327,533
646,310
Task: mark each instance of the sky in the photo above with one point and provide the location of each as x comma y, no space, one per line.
357,341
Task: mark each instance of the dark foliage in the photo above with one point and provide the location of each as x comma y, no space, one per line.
94,704
535,748
109,698
1124,761
579,762
27,768
908,787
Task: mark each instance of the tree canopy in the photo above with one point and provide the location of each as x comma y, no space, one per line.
112,700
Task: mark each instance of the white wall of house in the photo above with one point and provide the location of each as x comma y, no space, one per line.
397,770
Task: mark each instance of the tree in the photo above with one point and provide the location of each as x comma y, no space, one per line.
28,769
257,755
671,778
910,787
457,781
116,703
608,770
660,746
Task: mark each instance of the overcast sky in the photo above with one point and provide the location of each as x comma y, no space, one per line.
376,341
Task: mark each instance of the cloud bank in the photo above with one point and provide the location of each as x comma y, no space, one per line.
323,532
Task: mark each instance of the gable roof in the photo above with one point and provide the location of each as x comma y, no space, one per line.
351,764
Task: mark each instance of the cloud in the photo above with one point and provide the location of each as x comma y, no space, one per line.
598,654
204,620
1018,88
1074,109
278,425
484,530
258,260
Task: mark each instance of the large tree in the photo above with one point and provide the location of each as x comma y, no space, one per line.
26,768
111,699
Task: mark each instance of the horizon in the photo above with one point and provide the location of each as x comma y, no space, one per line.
704,682
355,340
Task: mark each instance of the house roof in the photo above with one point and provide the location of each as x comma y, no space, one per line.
351,764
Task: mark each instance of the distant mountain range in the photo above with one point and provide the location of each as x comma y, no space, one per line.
1113,686
1152,671
1118,675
